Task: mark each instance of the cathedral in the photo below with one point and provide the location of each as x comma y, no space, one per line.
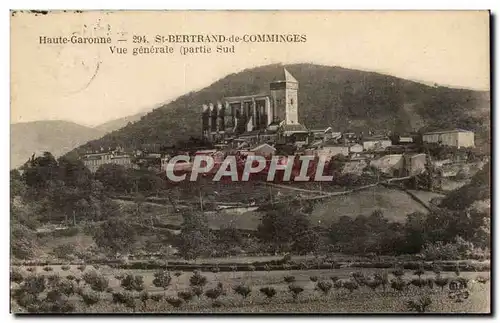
257,116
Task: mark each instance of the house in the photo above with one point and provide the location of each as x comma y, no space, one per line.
263,150
414,164
328,151
293,133
454,138
376,143
355,148
405,140
354,166
94,161
392,165
325,134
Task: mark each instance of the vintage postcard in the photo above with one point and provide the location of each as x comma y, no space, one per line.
250,162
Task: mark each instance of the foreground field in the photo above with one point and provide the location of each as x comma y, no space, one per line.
338,299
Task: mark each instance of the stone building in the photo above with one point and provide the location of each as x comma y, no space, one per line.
454,138
94,161
258,115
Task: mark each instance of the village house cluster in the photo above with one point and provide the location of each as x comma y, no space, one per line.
260,124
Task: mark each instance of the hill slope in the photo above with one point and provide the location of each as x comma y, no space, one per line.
58,137
118,123
328,96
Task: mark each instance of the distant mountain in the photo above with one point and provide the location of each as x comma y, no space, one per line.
328,96
57,137
119,123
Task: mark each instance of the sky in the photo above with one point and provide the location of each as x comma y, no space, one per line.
87,84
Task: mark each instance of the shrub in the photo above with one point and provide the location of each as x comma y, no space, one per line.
441,281
398,284
70,277
268,291
420,304
295,290
251,267
420,271
97,282
313,278
482,279
81,267
124,298
90,298
52,280
109,290
383,278
162,279
398,272
289,279
174,301
64,250
213,293
197,290
178,273
458,249
144,296
334,278
324,286
119,276
48,268
267,267
373,284
215,270
198,280
157,297
358,277
419,282
217,304
34,284
16,276
243,290
133,282
65,267
186,295
350,285
31,269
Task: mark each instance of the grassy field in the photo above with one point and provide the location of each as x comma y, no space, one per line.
394,204
310,300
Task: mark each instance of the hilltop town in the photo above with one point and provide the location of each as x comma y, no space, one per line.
268,124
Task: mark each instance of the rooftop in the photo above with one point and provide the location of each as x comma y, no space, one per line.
246,97
262,146
446,131
293,127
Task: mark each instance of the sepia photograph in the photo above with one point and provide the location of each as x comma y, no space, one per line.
244,161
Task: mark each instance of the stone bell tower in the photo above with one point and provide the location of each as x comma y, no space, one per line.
284,99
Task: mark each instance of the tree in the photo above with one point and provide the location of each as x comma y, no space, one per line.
17,185
306,242
115,178
38,171
229,237
73,173
282,226
22,241
115,235
195,238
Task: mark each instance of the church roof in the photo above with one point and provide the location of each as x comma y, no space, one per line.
285,77
294,127
289,77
